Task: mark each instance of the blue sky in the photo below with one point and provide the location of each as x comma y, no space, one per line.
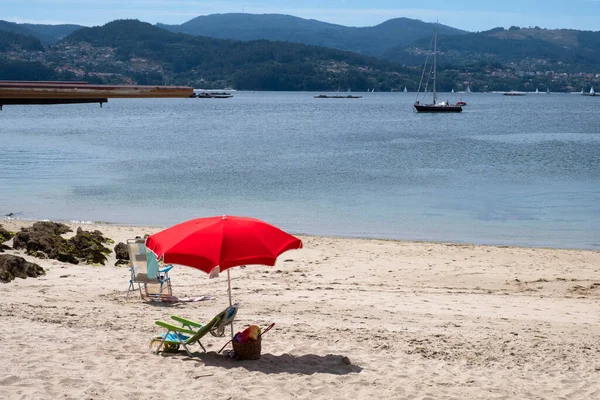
472,15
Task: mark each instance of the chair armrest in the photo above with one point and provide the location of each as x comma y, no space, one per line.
174,328
165,269
186,322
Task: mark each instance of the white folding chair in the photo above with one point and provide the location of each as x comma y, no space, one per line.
146,273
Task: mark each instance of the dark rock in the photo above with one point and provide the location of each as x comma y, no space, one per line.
12,267
66,257
44,240
5,235
89,246
38,254
121,251
42,237
3,247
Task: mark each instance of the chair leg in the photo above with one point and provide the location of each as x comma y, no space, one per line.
184,346
129,289
162,342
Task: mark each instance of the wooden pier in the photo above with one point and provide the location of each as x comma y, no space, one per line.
44,92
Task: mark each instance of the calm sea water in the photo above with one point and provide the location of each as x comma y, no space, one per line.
508,170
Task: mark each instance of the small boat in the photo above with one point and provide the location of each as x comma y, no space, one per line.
324,96
405,89
515,93
214,95
461,103
435,106
591,93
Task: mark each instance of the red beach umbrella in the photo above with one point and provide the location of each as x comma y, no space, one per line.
223,242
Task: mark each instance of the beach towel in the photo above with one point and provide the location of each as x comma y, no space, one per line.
175,299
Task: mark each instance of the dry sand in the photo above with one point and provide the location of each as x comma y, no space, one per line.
415,321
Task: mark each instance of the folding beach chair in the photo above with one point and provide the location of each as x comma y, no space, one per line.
191,332
146,273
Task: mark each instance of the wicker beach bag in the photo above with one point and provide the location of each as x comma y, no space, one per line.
251,349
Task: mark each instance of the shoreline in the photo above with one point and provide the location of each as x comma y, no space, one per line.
366,238
355,319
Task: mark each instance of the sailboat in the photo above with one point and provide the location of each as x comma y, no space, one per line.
442,106
405,89
591,93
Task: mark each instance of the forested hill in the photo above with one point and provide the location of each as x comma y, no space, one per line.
134,52
11,41
528,48
147,54
47,34
277,27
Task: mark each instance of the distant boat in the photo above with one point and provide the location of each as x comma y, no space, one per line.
435,106
591,93
405,89
213,95
452,90
547,90
515,93
324,96
537,91
468,90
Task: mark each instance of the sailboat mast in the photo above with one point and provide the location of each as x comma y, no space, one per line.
434,63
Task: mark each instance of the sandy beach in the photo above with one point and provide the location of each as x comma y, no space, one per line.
355,319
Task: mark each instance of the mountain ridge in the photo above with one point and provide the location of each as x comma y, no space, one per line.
370,41
47,34
124,45
130,51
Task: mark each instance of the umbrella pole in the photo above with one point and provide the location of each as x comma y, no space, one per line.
229,292
229,287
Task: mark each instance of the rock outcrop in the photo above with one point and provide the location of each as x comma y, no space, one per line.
44,240
12,267
4,235
122,254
